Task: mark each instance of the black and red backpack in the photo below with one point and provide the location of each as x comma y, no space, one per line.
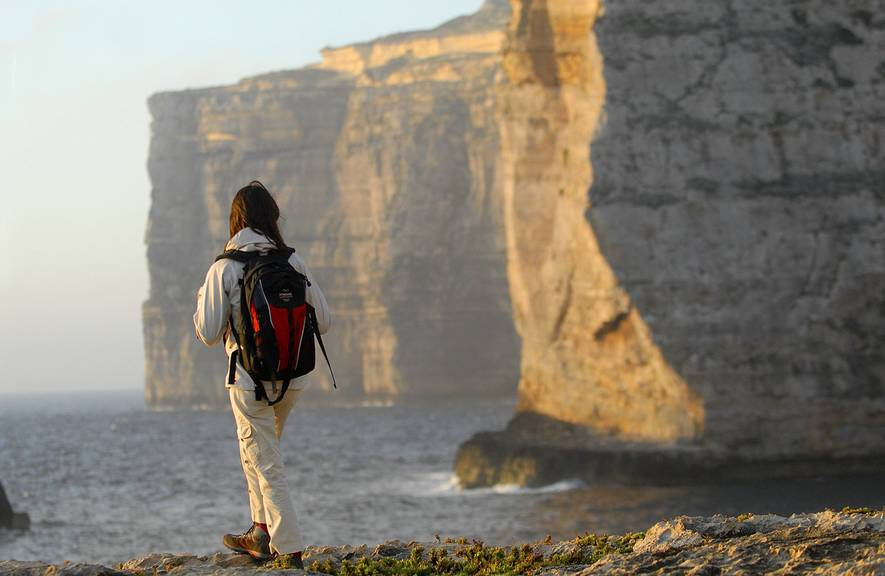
275,326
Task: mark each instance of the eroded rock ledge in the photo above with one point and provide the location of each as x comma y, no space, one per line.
535,450
848,542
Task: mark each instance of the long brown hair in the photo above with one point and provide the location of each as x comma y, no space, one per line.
253,207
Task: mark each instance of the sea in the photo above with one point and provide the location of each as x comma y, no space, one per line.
105,480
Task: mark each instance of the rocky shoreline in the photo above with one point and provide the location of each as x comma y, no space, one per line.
846,542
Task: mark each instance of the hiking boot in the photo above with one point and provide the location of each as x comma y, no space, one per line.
255,542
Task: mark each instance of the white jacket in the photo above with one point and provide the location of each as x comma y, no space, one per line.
220,294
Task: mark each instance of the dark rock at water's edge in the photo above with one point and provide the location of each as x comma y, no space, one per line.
9,518
847,542
537,451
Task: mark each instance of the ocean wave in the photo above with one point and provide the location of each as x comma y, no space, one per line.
561,486
446,484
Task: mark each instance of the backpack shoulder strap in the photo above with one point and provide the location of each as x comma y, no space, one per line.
316,330
237,256
283,253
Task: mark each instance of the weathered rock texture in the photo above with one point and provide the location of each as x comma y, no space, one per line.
587,356
822,543
707,274
739,197
383,160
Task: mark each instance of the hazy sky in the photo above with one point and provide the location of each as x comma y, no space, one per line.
74,134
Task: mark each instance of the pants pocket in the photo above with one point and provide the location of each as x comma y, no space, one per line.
245,431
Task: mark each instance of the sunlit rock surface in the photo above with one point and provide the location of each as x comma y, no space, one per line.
695,227
821,543
383,159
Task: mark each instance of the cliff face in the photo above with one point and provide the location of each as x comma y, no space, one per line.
383,160
706,274
679,206
738,195
588,357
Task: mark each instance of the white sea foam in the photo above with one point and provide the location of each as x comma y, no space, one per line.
447,484
561,486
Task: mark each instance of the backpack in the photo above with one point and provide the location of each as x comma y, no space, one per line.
277,326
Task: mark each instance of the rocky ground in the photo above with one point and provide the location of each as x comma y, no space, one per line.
847,542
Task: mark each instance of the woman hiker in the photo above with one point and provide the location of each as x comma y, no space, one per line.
253,228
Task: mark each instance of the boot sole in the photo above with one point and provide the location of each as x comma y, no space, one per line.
252,553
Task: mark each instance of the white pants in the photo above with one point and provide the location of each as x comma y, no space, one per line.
259,428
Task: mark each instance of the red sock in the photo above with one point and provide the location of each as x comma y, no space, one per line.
263,527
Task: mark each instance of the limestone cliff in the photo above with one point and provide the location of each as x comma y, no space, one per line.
704,279
383,160
587,355
738,195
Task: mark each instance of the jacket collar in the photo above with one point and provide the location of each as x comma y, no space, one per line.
248,240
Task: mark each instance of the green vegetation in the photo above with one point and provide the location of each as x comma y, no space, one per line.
591,548
477,559
284,562
867,511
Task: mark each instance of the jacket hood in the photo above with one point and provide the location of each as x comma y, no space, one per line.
248,240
